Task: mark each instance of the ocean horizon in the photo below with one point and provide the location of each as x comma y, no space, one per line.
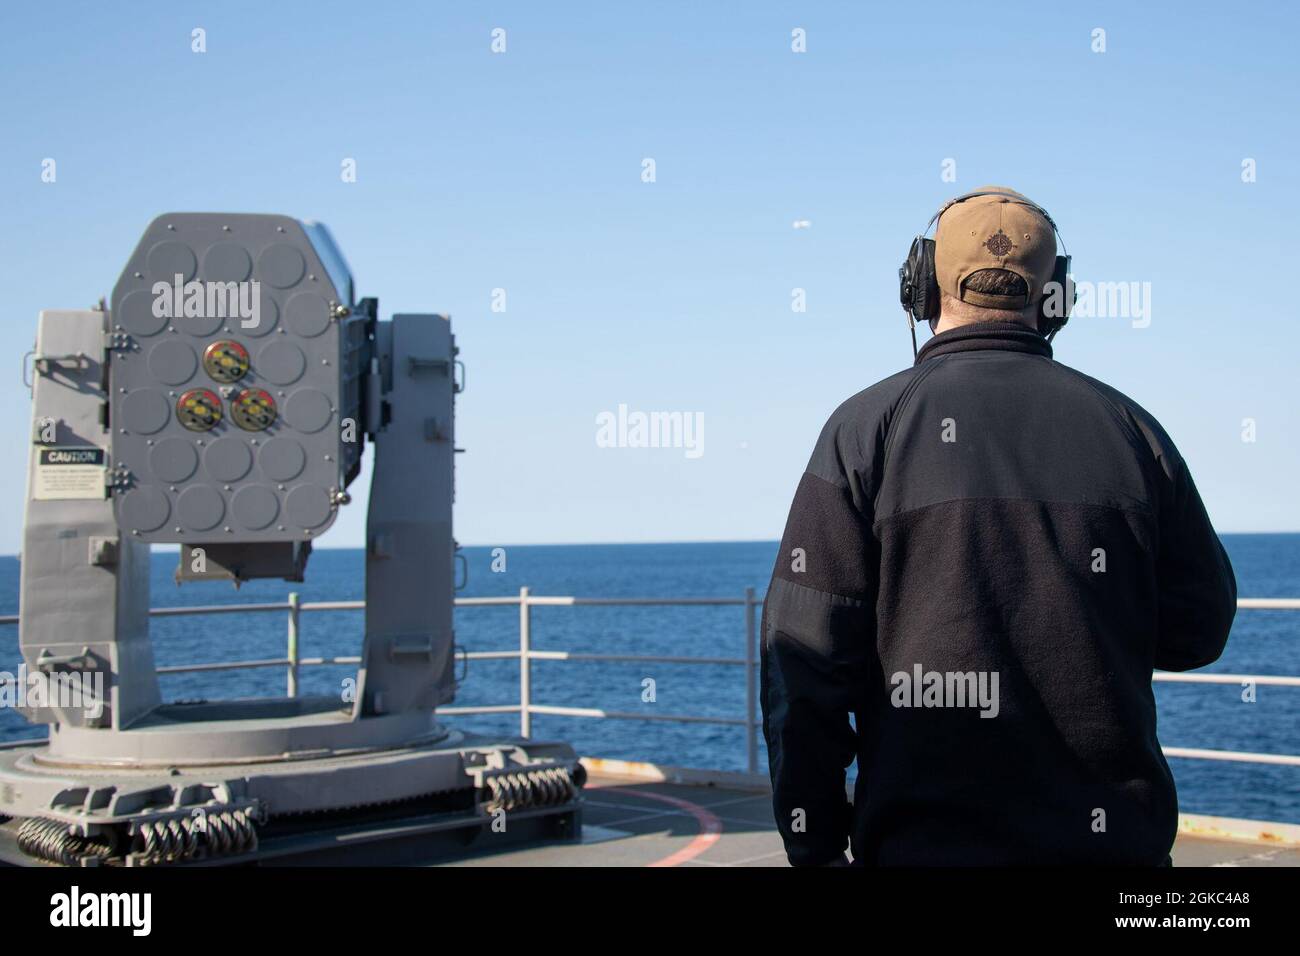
1212,716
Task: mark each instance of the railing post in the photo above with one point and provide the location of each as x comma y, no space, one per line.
751,698
525,667
293,643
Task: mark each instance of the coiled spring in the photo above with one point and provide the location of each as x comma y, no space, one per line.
50,840
217,833
213,833
544,787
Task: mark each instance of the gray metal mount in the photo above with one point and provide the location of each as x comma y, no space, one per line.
222,404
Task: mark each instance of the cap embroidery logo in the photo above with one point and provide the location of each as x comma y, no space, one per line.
999,243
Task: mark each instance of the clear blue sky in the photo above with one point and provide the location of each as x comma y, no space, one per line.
522,171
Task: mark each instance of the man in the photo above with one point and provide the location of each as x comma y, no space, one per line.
986,557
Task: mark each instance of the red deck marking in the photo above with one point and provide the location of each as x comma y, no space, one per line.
710,827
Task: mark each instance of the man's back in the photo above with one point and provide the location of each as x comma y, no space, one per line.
987,556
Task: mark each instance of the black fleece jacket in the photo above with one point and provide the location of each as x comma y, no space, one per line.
986,557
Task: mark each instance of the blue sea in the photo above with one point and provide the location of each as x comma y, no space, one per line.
1207,716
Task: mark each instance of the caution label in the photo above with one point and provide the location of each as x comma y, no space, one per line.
63,473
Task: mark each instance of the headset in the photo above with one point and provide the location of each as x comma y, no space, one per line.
918,288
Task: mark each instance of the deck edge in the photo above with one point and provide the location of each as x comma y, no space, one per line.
1196,825
1259,832
689,776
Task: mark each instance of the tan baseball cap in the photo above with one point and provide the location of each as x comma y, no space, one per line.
994,232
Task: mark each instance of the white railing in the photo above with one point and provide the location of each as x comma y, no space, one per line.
293,661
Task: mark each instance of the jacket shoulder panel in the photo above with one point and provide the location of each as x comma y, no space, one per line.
848,449
1139,419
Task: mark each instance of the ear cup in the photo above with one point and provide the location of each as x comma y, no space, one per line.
918,289
907,278
1058,297
928,283
1062,275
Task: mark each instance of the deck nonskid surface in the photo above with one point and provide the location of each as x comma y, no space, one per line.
629,821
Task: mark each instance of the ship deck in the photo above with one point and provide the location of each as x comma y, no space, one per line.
641,815
637,814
